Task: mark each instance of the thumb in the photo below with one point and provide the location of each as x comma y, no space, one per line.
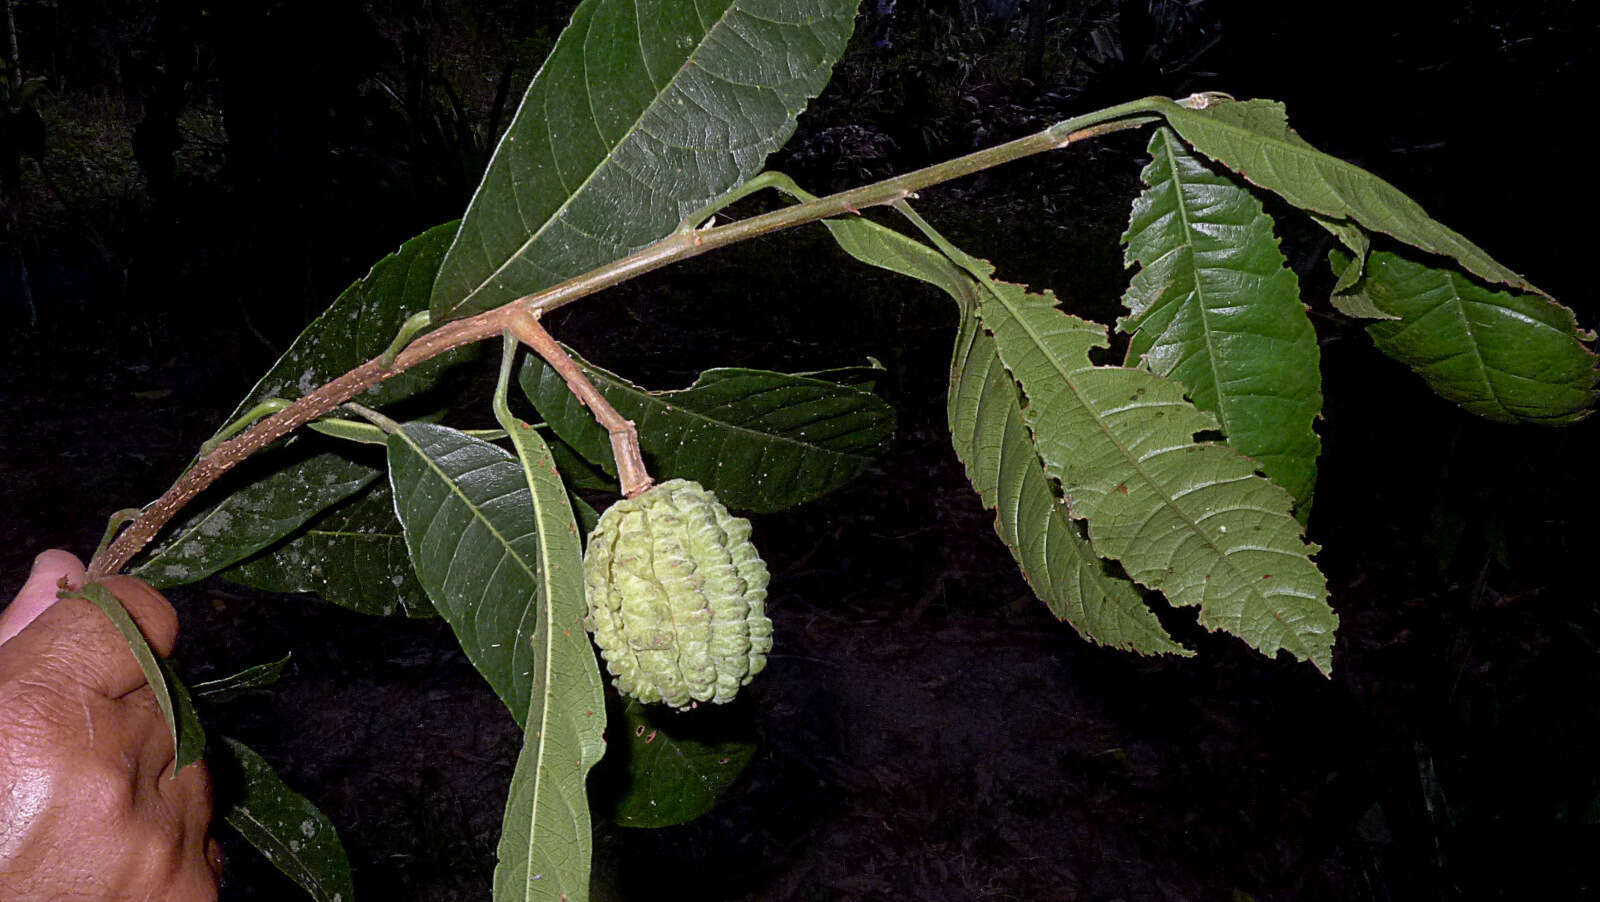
39,592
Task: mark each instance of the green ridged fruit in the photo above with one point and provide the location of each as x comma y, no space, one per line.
677,596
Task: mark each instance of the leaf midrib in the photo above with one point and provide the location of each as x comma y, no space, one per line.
266,835
547,666
353,534
1449,242
623,386
1458,308
478,514
1138,467
1167,137
610,154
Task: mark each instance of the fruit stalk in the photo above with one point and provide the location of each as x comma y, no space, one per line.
631,472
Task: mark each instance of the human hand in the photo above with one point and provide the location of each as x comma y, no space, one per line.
88,807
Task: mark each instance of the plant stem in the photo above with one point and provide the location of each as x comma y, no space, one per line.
631,472
680,245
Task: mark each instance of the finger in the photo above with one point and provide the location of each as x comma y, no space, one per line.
214,857
39,592
190,796
150,610
74,644
173,820
148,735
183,801
190,791
197,883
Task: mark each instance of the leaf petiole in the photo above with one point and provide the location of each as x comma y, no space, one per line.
265,408
115,523
414,325
760,182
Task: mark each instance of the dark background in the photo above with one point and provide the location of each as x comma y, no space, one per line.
193,181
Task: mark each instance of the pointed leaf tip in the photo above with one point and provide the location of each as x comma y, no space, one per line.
1253,138
1190,519
1215,306
1506,356
987,429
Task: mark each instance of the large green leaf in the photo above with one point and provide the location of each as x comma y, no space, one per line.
353,555
1253,138
645,112
474,538
1215,306
268,497
284,826
276,492
986,427
545,841
1505,356
669,771
762,441
1188,518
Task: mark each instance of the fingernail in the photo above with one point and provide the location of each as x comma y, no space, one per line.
39,592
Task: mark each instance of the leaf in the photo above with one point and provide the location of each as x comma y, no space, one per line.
762,441
278,491
1504,356
576,470
1253,138
986,427
1356,241
259,676
1190,519
265,499
585,514
1353,304
667,771
188,739
284,826
545,843
1215,306
644,113
863,376
1357,305
352,555
349,430
474,540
